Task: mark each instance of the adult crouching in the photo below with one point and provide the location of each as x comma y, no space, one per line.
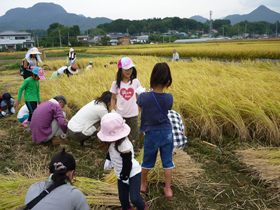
86,122
58,191
48,121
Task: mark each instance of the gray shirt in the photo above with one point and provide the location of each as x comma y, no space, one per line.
65,197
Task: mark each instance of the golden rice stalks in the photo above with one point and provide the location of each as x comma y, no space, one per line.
237,100
13,189
185,173
265,162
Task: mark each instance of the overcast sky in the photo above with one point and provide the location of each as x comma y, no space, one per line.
143,9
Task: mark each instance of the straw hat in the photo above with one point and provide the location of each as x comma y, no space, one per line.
73,69
35,51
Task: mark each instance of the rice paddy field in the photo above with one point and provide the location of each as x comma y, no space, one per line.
232,103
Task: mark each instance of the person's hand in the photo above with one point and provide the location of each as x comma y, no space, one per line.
13,110
98,129
3,113
140,90
17,103
39,102
107,165
126,181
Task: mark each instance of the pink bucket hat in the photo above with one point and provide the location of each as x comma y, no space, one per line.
113,127
39,71
126,63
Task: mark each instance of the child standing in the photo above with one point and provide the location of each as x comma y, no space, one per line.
156,125
31,90
124,87
115,132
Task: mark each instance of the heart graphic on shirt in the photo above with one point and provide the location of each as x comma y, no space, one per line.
127,93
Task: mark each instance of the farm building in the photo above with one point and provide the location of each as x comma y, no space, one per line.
12,39
124,40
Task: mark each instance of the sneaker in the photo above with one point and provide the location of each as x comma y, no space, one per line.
58,140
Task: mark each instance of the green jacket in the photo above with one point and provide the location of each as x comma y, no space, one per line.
31,90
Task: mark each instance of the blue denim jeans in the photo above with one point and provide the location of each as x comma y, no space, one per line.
133,189
158,140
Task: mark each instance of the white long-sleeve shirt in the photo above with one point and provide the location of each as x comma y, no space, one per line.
175,56
88,115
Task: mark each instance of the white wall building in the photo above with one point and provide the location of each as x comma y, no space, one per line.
12,39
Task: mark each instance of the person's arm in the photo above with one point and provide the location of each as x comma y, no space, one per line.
38,92
25,64
58,115
127,165
113,101
20,90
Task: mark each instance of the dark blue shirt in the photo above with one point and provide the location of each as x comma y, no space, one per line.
151,116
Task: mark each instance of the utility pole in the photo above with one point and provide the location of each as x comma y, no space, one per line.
276,30
245,28
37,41
223,31
210,25
59,38
52,43
162,38
68,38
169,34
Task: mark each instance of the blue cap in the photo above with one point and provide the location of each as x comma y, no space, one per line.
36,70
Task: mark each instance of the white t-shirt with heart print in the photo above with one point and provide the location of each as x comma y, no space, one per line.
126,98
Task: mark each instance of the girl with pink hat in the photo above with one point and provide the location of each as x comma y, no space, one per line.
114,134
124,89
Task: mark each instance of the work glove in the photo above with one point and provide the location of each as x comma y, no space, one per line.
3,113
12,110
108,165
126,181
140,90
113,111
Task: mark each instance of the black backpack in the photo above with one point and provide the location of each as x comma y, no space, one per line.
21,68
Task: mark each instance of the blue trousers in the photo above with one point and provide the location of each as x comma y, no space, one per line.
133,189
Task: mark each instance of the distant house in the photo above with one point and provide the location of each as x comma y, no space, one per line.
12,39
142,39
183,34
86,40
114,39
170,32
214,31
124,40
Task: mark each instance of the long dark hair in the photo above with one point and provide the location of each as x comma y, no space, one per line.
105,145
119,76
105,98
60,164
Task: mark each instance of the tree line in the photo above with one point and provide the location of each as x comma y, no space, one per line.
186,25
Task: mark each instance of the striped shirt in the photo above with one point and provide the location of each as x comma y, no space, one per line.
42,119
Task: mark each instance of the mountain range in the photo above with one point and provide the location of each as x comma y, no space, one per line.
42,15
262,13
